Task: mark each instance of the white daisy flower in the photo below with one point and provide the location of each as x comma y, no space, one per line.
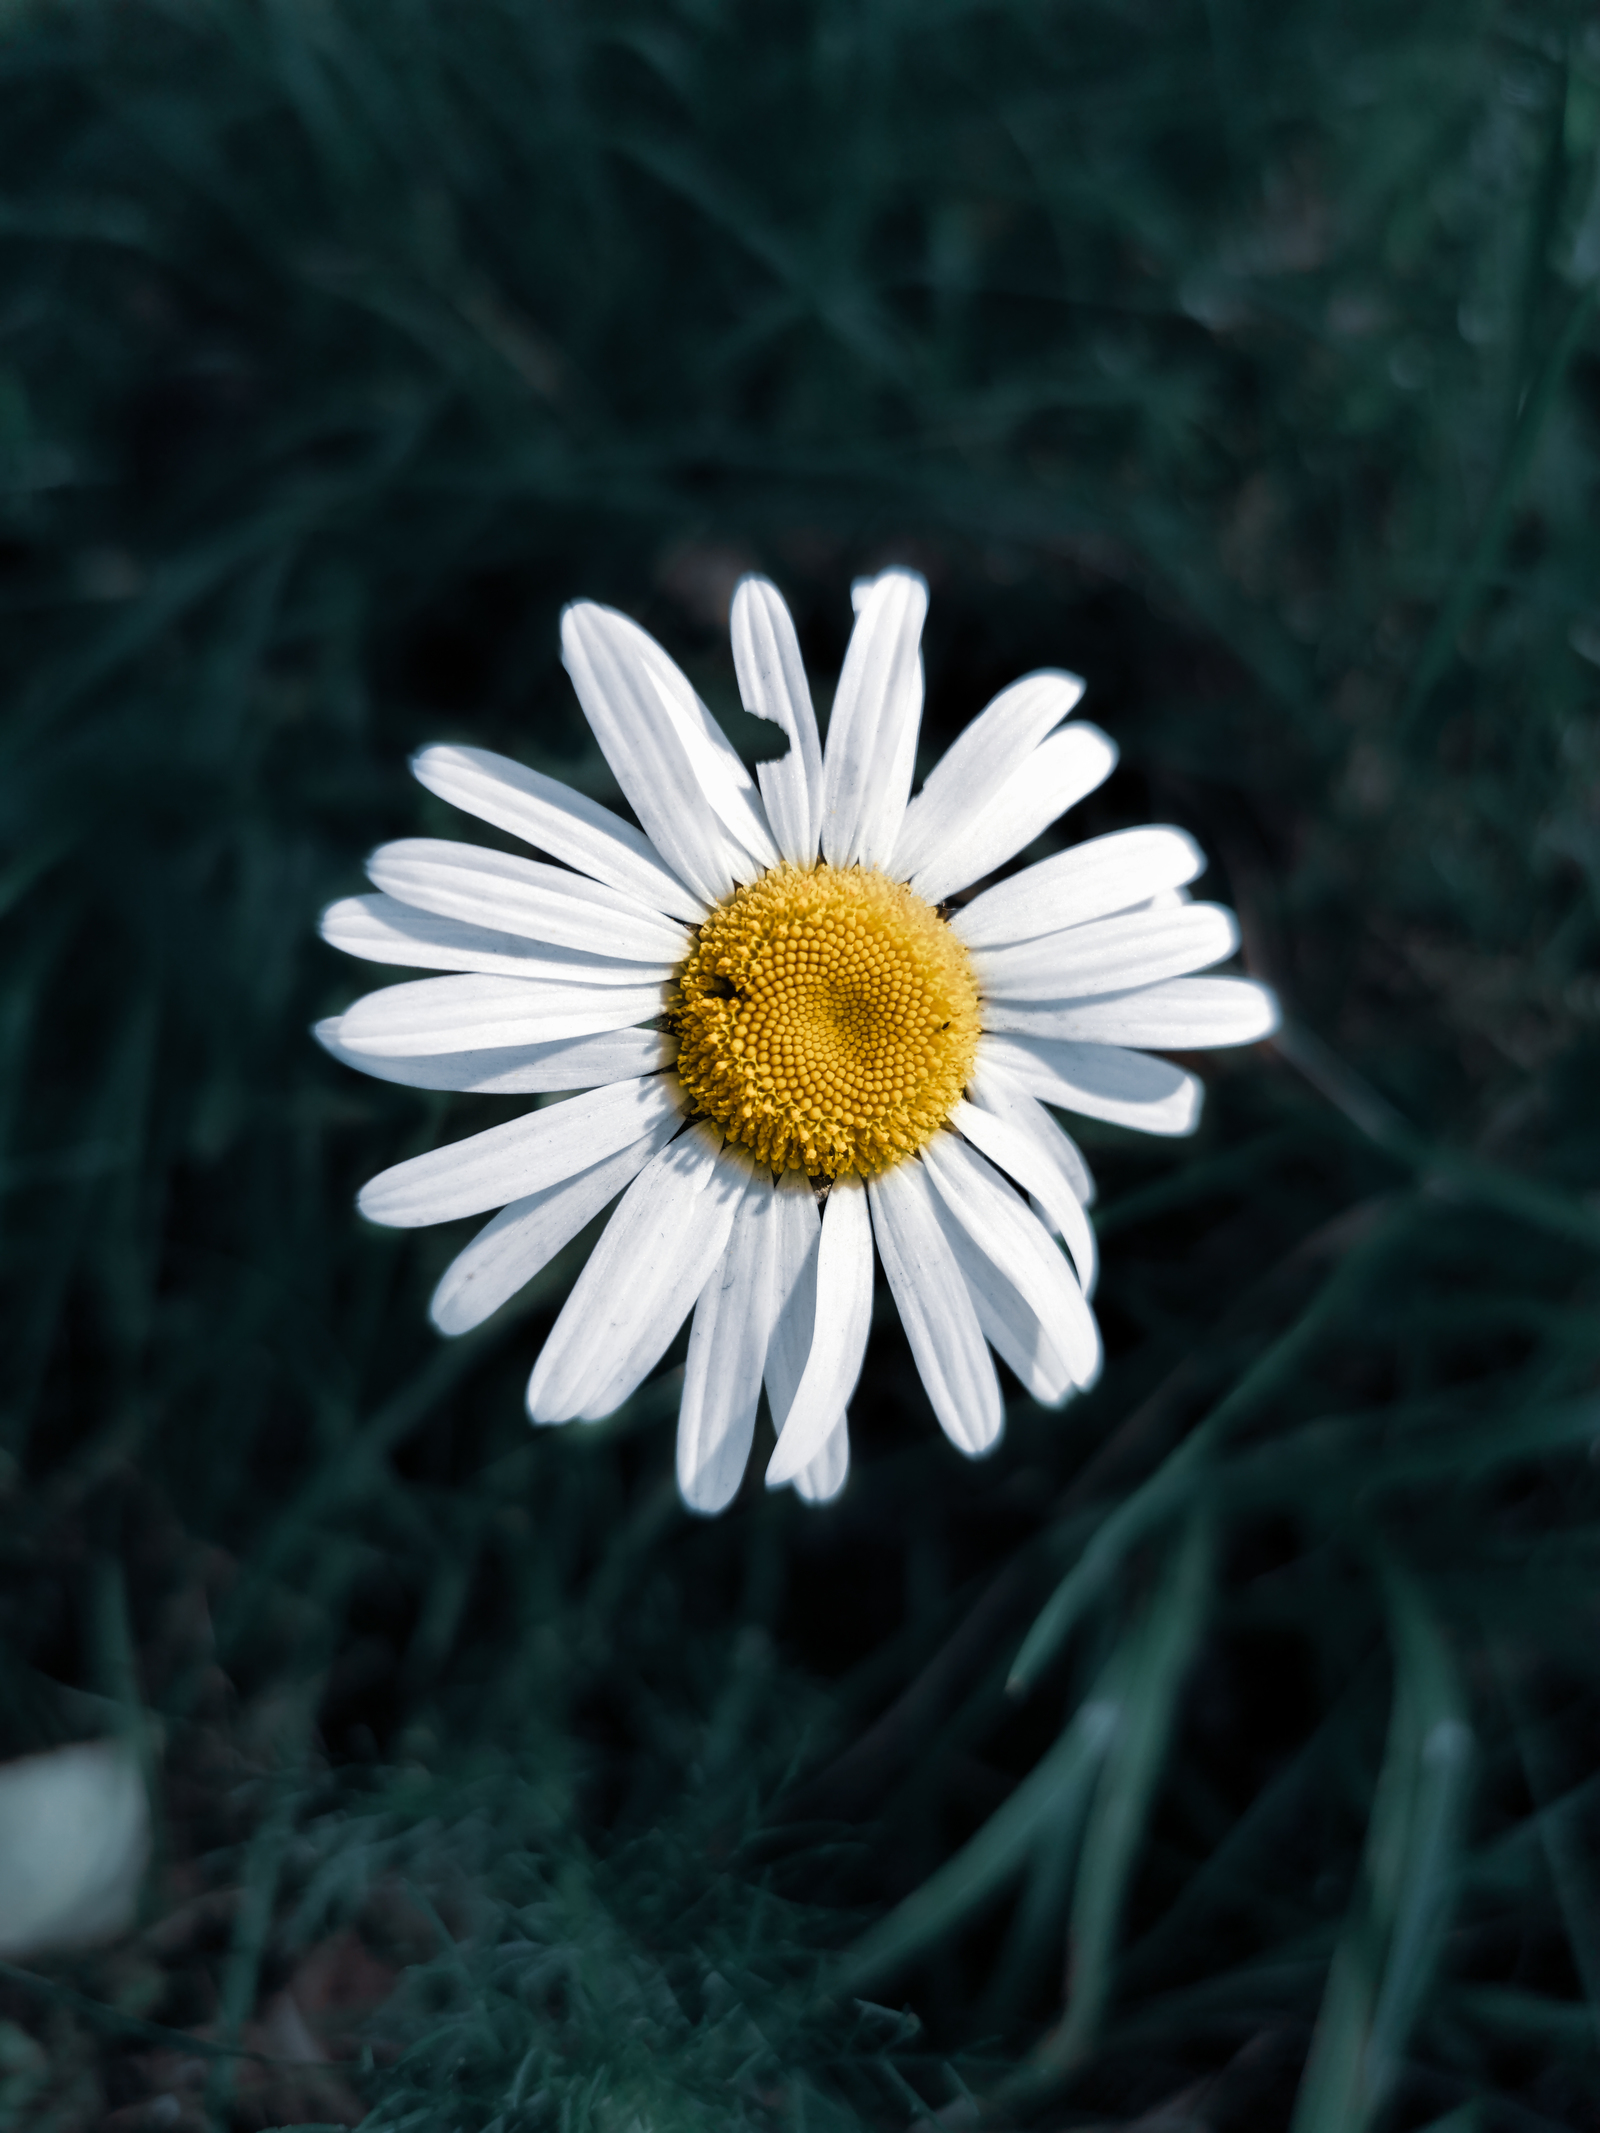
789,1048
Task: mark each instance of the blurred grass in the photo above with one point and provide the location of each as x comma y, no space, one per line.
1242,358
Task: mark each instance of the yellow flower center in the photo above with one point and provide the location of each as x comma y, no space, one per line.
826,1018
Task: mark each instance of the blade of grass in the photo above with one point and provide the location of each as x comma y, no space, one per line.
1053,1795
263,1865
1123,1795
1467,1175
1172,1483
1387,1951
351,1469
1560,1832
1478,564
1330,1462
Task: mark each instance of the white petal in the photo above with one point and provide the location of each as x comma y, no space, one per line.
1024,1148
872,730
1110,955
1101,1080
936,1309
654,1257
979,760
566,824
726,785
1183,1015
74,1839
387,931
772,685
794,1292
511,895
1071,1158
1093,880
486,1014
1017,1101
697,802
1060,772
727,1354
795,1299
1010,1324
839,1332
507,1252
1013,1238
821,1481
523,1156
517,1069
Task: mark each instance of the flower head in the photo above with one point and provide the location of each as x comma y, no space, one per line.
788,1048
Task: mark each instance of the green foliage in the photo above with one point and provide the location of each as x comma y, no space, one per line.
1215,1754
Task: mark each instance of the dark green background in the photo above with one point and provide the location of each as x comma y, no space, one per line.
1239,356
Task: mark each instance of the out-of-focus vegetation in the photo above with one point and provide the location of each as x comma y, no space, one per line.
1242,357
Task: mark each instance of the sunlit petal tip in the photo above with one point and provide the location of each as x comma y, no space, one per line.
1090,1376
754,585
862,589
539,1418
822,1481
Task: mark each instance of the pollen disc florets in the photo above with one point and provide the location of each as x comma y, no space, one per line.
827,1018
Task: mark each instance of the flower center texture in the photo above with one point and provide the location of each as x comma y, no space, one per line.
827,1018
